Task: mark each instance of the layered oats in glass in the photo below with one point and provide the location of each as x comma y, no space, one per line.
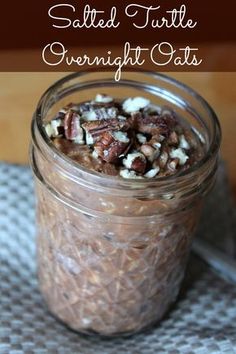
121,170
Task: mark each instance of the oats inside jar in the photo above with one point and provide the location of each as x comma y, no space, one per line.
129,138
113,244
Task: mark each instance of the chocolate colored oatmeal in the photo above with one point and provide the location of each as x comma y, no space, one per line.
112,252
130,139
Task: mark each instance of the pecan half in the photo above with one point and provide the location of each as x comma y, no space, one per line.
73,130
96,128
109,147
150,124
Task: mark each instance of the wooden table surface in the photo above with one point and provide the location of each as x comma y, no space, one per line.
20,92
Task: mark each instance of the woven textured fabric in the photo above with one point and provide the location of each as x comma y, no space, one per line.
202,321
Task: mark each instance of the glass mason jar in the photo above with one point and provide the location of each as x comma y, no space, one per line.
112,252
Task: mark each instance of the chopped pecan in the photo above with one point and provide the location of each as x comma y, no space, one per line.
141,138
109,147
192,137
179,154
125,173
183,143
139,165
150,152
173,139
152,173
135,104
68,107
151,149
98,111
172,165
85,107
91,105
54,128
152,109
147,150
133,119
170,117
73,130
103,98
106,112
60,115
163,158
135,161
156,140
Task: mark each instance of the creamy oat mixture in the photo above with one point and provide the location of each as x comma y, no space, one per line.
99,273
130,138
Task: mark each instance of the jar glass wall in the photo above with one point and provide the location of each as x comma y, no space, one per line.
112,252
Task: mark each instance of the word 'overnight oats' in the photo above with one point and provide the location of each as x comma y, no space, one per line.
119,185
130,138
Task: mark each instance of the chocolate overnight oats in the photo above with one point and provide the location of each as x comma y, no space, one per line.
120,181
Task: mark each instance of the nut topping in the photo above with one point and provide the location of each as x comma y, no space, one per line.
125,173
52,128
96,128
89,116
135,161
154,125
173,138
172,165
133,138
150,152
179,154
141,138
135,104
183,143
163,159
103,98
73,130
152,173
106,112
109,148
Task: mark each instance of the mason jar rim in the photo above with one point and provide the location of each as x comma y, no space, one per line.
127,183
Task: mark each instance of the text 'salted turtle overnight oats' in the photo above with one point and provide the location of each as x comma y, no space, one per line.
121,169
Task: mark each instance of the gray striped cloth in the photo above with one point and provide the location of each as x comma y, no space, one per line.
202,321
